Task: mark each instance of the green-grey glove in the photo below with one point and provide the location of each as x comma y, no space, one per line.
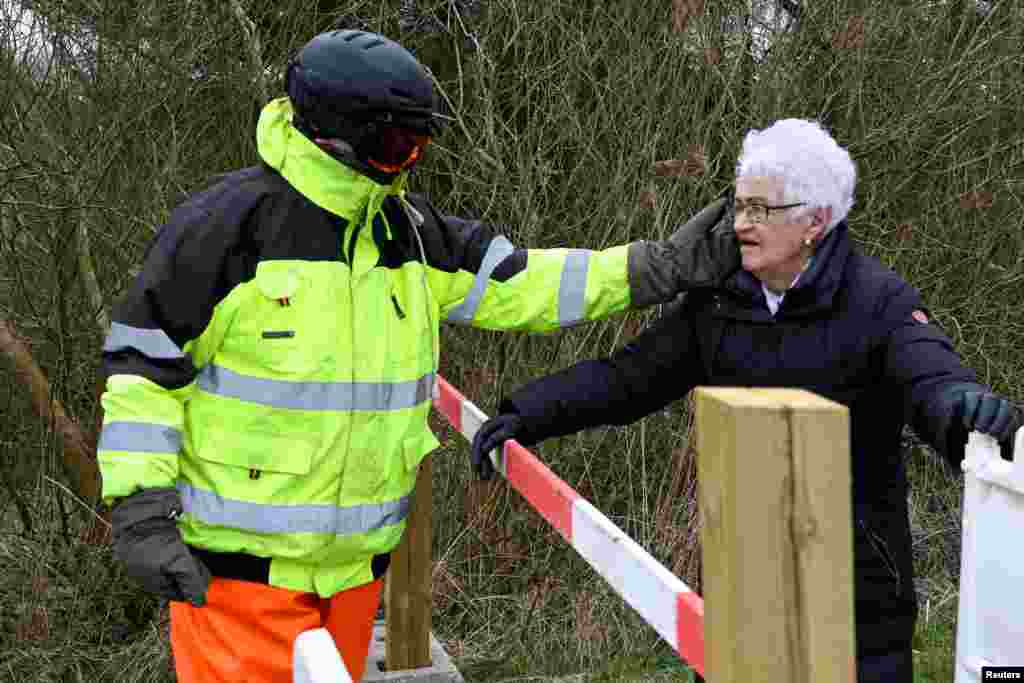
703,252
148,543
989,413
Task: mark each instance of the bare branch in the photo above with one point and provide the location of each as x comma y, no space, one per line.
79,458
792,8
251,37
50,207
88,273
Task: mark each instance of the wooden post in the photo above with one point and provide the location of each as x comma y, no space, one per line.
774,482
407,644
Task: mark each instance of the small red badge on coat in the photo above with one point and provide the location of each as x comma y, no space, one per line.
920,317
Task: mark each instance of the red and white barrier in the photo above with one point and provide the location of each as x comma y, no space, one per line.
316,659
664,601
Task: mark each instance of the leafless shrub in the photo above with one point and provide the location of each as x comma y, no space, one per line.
109,112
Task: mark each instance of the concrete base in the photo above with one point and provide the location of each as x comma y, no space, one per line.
441,671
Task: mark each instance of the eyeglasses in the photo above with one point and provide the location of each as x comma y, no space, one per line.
759,213
396,148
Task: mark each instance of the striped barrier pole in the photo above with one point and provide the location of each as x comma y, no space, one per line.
660,597
316,659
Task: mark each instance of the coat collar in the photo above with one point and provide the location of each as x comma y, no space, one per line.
816,289
323,180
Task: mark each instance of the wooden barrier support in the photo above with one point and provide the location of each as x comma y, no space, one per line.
774,481
408,602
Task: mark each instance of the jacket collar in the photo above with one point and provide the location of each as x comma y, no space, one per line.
817,286
324,181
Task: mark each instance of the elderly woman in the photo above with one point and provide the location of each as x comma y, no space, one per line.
807,310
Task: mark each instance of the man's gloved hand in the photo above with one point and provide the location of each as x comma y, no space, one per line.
703,252
492,434
148,543
988,413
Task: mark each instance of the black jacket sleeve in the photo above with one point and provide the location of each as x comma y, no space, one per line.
920,359
196,258
659,366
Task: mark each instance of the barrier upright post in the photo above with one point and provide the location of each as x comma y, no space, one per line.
407,644
774,483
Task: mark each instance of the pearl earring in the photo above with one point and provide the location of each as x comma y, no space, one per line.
807,241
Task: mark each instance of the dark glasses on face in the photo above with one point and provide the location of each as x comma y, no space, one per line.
395,149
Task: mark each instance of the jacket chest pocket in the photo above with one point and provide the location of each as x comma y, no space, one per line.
409,335
280,331
825,349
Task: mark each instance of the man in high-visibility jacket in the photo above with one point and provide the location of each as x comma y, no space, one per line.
270,369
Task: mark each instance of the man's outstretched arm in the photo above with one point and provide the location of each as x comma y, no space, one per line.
481,279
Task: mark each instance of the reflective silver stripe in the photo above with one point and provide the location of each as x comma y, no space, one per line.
573,288
499,250
153,343
211,508
139,437
379,396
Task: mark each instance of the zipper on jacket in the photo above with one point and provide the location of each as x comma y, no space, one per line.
882,549
341,225
398,309
352,244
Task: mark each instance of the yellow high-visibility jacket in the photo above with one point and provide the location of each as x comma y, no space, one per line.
275,356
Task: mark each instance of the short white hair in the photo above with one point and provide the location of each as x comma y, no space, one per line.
813,168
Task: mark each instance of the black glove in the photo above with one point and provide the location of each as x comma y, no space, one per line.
492,434
148,543
988,413
702,252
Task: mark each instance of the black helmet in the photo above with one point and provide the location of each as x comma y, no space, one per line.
343,79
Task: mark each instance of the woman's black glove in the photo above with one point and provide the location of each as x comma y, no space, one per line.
492,434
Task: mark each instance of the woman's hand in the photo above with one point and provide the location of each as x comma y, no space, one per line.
492,434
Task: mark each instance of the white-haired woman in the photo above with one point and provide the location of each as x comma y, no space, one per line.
807,310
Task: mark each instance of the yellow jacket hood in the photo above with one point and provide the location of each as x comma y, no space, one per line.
322,179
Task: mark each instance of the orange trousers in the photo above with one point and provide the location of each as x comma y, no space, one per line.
246,631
